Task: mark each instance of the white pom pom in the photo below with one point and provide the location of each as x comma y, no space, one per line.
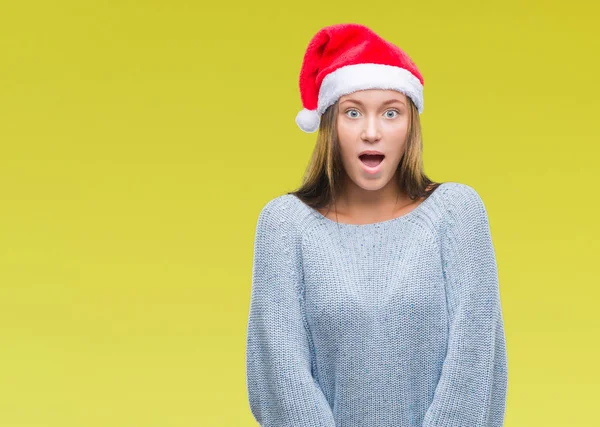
308,120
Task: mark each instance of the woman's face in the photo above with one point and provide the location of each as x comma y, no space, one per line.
376,120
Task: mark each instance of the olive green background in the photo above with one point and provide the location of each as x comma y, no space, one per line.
140,139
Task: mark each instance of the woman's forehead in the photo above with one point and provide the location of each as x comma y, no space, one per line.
374,95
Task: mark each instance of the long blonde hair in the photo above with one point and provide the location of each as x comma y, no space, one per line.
323,179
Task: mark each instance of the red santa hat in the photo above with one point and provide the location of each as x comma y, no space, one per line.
344,58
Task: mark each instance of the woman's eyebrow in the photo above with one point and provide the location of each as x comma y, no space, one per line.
389,101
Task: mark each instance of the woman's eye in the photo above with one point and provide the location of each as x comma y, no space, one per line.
356,112
350,111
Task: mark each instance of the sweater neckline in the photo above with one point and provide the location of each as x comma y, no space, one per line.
403,217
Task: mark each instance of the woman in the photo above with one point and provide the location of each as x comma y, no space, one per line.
375,298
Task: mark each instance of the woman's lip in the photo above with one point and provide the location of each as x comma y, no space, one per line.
372,170
372,152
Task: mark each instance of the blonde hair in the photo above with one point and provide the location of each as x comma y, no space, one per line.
323,179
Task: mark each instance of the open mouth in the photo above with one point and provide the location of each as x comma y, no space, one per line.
371,160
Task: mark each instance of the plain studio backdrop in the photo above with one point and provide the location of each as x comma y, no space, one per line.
140,139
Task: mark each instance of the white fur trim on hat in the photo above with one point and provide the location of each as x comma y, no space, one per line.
352,78
308,120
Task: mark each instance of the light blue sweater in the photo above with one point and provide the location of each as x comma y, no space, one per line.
390,324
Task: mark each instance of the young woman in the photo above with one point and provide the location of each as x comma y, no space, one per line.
375,299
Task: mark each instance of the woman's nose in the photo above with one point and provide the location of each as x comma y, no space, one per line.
371,129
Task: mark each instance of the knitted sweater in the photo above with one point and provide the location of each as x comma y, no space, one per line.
390,324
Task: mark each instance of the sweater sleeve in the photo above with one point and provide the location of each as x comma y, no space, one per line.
281,389
472,387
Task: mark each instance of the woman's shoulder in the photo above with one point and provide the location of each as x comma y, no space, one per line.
455,198
286,210
458,194
278,205
463,206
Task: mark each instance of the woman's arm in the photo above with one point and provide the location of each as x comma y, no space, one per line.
281,389
472,387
